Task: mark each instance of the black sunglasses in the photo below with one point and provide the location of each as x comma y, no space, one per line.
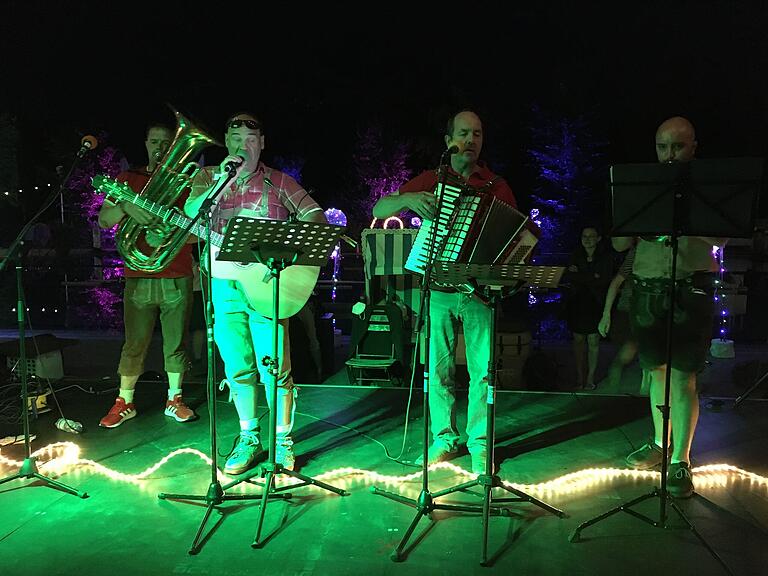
248,123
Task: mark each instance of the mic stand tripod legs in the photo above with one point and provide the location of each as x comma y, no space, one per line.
425,503
215,495
489,480
28,468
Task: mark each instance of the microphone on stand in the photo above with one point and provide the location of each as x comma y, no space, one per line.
232,166
452,149
87,143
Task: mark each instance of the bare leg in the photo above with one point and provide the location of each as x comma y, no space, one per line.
593,342
684,413
656,396
580,353
626,353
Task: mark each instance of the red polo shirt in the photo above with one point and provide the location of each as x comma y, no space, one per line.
480,177
181,265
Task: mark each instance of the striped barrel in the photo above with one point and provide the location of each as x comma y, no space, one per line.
385,252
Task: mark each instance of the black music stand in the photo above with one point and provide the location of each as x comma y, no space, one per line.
277,244
494,279
712,198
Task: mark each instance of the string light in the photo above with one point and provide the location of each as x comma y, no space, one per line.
63,457
720,295
21,190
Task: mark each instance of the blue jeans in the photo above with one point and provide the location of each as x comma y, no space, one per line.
447,311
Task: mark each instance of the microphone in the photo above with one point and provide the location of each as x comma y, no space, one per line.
87,143
452,149
232,166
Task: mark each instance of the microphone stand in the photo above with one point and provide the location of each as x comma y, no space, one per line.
29,466
215,494
425,504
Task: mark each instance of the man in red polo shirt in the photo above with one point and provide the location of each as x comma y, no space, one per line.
449,307
167,293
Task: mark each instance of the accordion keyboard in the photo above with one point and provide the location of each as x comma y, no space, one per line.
422,246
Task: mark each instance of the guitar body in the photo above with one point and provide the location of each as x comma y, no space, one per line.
296,284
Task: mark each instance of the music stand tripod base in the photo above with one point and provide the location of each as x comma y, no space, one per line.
278,244
502,275
215,495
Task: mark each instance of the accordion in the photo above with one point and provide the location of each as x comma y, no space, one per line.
472,227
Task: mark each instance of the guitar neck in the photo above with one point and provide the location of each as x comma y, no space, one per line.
173,217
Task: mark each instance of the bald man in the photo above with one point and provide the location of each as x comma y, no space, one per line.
448,307
692,327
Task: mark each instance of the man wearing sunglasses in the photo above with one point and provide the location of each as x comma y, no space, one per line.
242,334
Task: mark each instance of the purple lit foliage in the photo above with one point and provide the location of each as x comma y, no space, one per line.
566,157
103,306
291,165
108,161
381,168
104,161
101,310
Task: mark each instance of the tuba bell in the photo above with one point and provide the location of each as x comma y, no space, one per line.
171,177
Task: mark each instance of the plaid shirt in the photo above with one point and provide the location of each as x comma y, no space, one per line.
266,193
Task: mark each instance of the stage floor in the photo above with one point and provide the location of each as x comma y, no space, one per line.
123,528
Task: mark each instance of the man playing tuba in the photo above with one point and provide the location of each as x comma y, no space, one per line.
167,292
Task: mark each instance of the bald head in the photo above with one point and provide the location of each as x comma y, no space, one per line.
675,140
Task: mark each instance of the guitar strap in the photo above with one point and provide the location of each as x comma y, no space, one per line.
265,185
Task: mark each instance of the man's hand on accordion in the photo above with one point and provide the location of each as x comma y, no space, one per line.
423,203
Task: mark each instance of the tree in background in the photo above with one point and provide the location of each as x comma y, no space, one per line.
380,163
568,161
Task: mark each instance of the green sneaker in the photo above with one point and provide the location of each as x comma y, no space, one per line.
284,452
245,453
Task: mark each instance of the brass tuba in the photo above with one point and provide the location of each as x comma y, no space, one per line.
171,177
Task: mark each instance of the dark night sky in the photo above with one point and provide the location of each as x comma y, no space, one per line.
110,66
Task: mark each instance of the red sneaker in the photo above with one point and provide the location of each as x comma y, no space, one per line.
118,414
178,410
